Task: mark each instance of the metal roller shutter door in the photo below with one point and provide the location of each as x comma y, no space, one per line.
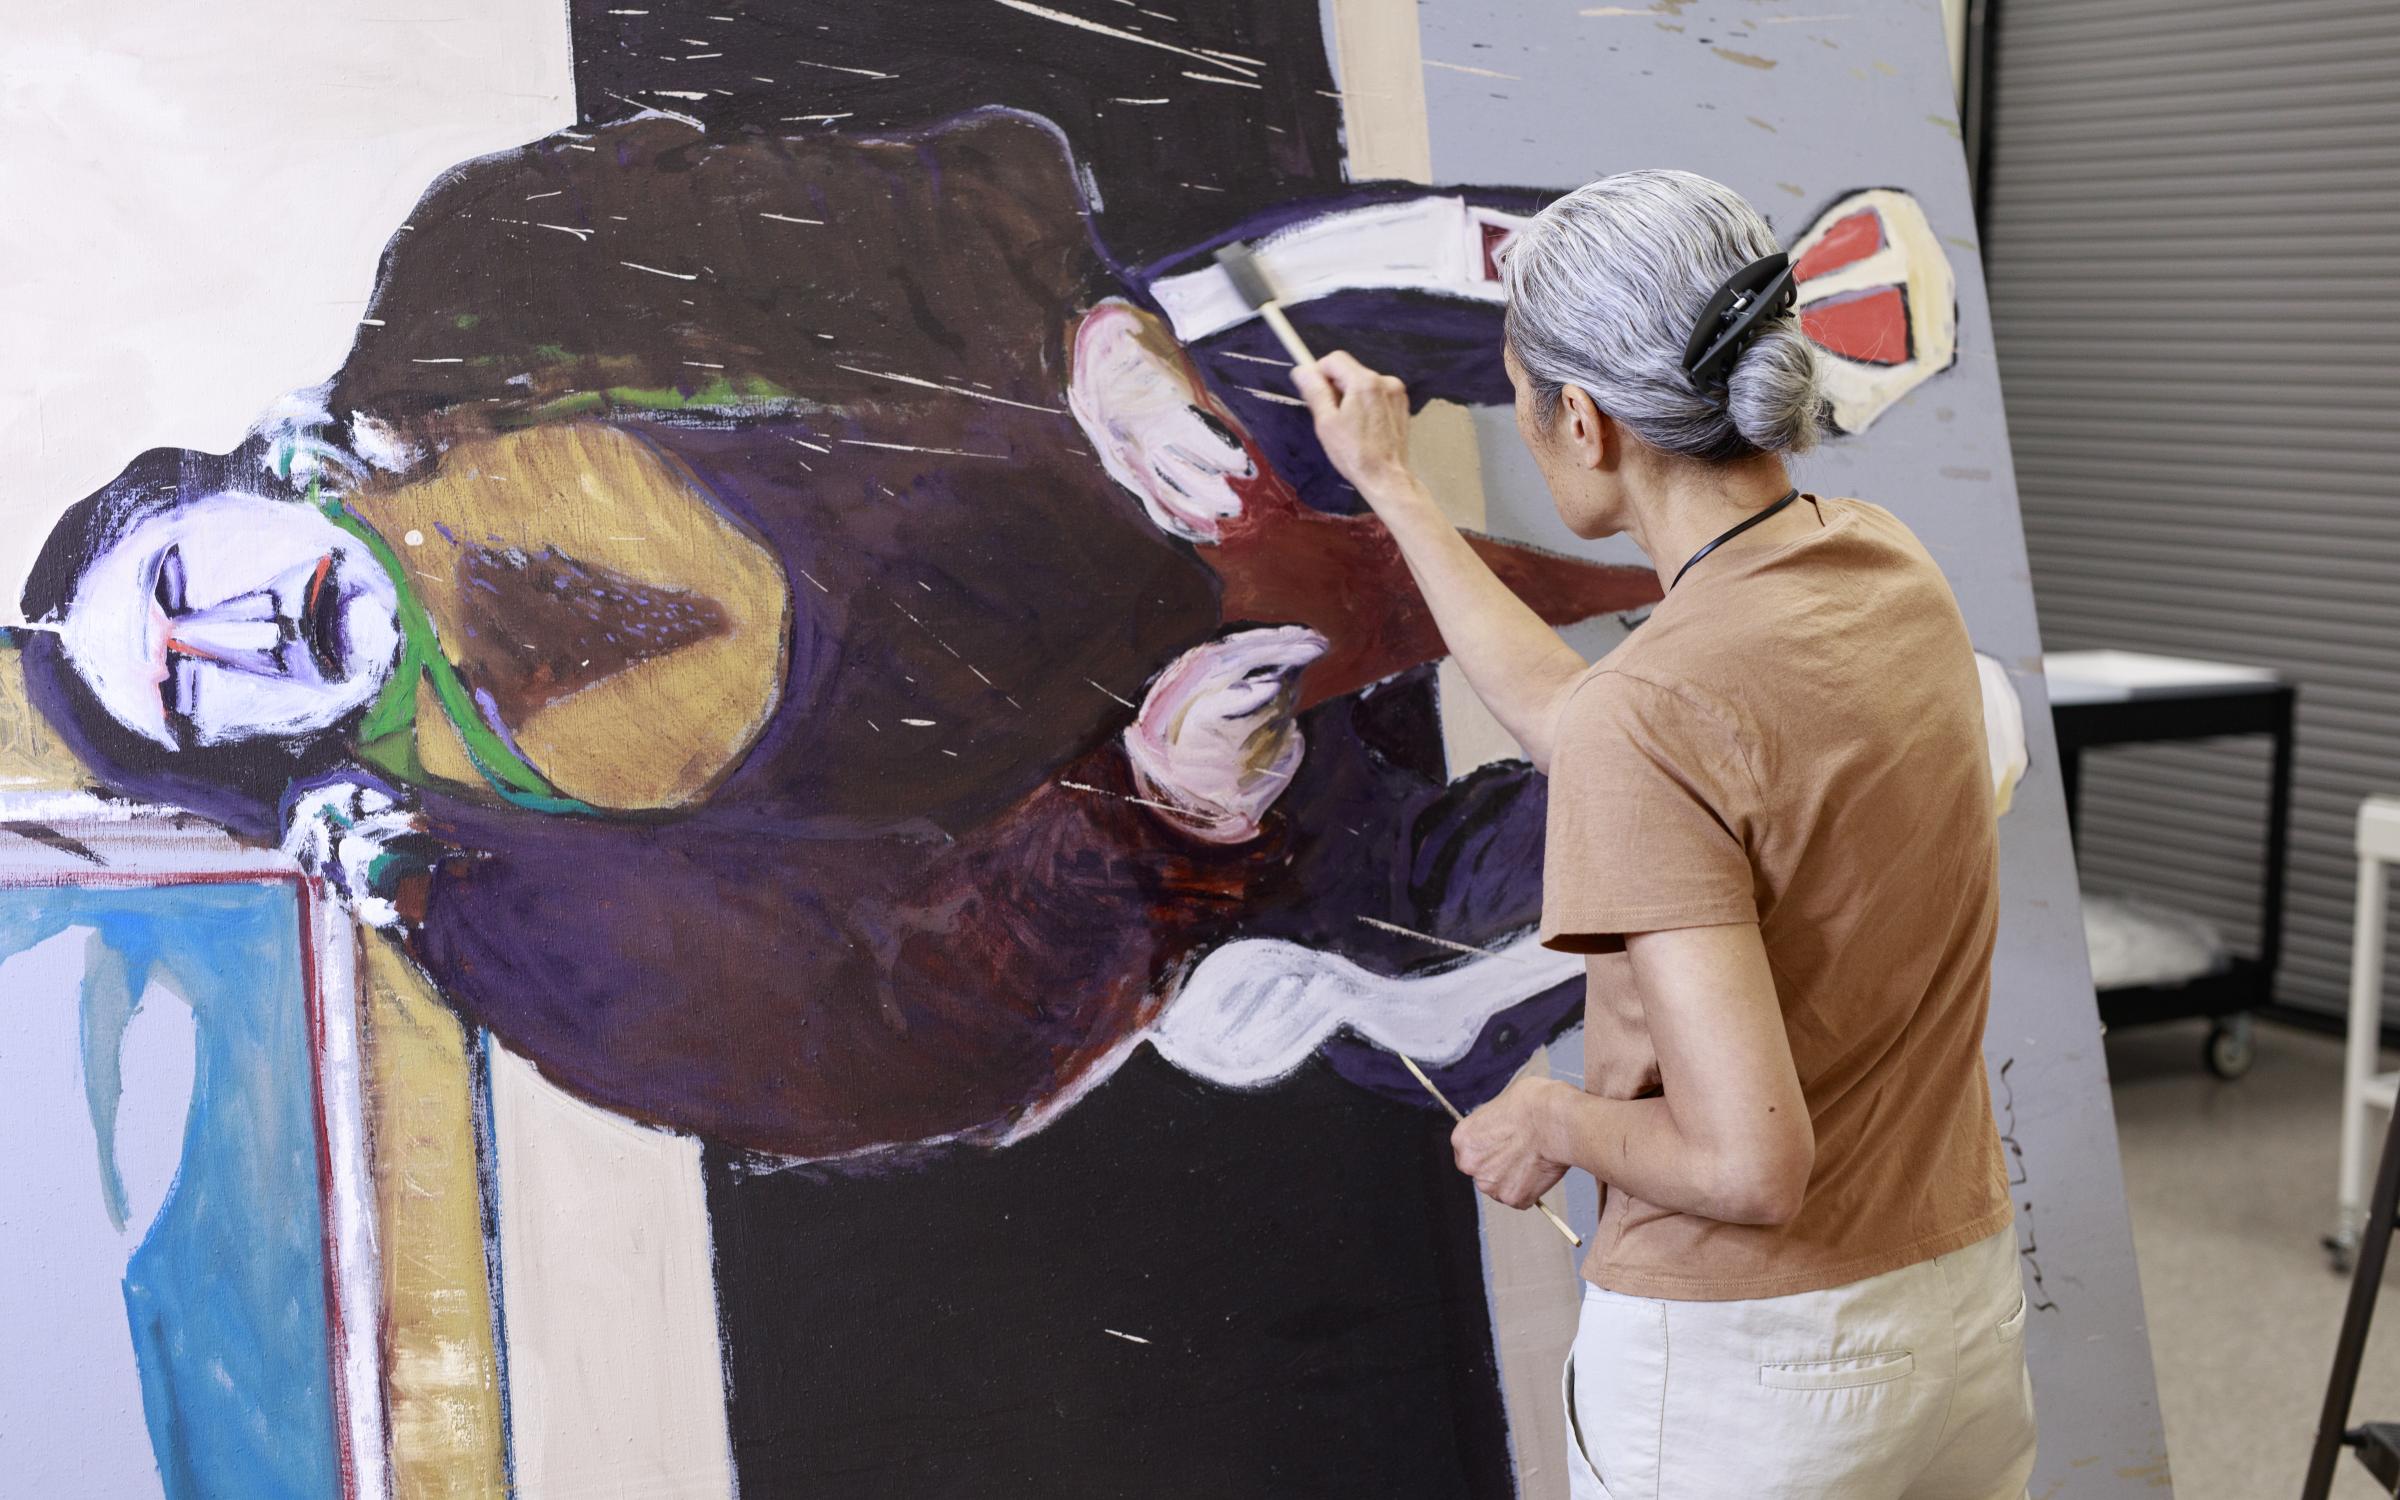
2192,241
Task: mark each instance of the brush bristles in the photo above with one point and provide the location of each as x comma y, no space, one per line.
1248,277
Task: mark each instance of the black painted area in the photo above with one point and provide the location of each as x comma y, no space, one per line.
1169,174
1303,1261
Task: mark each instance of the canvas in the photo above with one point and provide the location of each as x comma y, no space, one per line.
834,816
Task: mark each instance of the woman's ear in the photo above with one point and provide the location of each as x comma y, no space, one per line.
1587,433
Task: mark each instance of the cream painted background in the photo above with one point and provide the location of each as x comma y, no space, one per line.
193,197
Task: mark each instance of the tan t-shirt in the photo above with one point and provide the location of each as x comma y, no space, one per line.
1795,737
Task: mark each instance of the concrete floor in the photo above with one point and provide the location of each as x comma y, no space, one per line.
2231,1185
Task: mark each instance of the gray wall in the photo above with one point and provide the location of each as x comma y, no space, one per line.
1864,99
2193,204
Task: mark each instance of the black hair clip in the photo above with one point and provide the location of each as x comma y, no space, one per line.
1751,295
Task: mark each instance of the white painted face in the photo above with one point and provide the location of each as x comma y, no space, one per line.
231,618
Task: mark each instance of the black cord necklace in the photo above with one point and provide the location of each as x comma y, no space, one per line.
1726,536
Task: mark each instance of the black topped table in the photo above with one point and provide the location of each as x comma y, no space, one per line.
2100,698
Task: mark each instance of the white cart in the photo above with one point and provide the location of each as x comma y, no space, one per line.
2364,1088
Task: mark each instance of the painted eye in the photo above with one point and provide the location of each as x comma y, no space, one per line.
169,588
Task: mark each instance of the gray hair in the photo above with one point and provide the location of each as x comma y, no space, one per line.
1604,287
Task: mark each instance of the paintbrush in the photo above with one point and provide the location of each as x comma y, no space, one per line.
1439,1098
1249,278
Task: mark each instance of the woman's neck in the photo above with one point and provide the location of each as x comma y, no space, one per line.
1685,506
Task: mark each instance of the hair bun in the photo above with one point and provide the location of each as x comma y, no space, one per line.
1771,394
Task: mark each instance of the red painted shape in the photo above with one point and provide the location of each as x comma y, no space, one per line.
1852,238
1870,327
1495,239
1285,563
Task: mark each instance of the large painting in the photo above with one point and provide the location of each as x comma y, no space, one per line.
842,827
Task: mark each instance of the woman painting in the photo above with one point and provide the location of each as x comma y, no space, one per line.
1771,829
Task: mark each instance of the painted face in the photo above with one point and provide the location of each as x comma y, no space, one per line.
233,617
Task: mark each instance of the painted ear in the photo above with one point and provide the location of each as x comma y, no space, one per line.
1878,297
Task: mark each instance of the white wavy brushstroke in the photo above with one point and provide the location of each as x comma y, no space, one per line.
1431,244
1254,1010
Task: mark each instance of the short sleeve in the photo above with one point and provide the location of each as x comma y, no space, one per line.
1648,797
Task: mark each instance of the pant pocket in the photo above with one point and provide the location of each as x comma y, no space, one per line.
1583,1476
1837,1374
2012,1327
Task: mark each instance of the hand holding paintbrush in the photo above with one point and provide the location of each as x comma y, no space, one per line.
1548,1212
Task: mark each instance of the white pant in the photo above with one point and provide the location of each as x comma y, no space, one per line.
1906,1386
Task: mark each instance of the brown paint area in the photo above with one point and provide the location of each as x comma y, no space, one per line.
1283,562
557,625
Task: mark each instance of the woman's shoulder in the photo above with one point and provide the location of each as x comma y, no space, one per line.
1651,698
1872,525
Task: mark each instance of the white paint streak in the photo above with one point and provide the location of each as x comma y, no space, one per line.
668,114
1451,67
635,265
1272,396
1258,359
1239,83
1255,1009
1126,701
913,448
580,234
615,1368
1130,1338
838,68
1438,942
357,1264
935,385
1138,101
1085,786
1062,18
788,218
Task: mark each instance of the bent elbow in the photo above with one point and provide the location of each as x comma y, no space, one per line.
1767,1188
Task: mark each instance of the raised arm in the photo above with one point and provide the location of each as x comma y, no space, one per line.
1518,665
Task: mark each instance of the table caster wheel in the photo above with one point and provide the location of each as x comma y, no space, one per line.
2231,1048
2341,1250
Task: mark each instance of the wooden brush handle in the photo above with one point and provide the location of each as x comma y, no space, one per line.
1273,313
1558,1223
